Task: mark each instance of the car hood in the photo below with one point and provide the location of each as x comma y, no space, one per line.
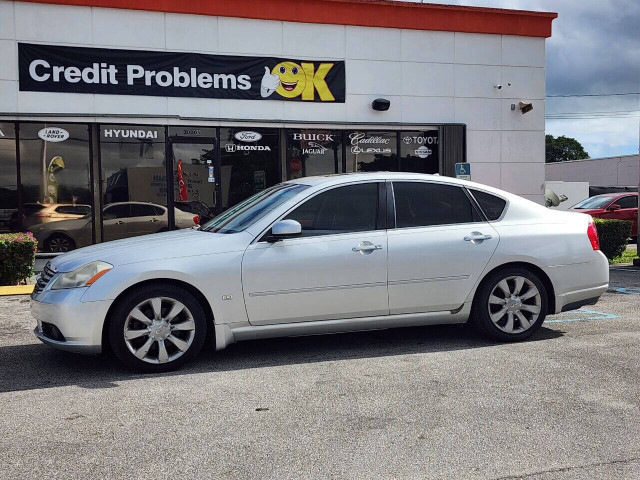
158,246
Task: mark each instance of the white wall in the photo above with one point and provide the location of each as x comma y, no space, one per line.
429,76
599,172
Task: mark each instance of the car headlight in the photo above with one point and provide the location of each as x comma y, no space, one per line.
82,276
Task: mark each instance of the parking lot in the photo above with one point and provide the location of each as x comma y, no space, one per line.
435,402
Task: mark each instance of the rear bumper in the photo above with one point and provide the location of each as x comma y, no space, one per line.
80,323
580,284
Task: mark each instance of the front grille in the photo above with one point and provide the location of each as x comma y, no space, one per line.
43,278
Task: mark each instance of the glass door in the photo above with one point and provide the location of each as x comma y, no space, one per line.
195,181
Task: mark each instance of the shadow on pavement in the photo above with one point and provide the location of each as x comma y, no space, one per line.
34,366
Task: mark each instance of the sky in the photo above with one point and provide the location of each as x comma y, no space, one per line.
594,49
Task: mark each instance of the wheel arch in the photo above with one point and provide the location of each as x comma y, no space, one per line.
548,284
197,294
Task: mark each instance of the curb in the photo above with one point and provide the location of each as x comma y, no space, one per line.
17,290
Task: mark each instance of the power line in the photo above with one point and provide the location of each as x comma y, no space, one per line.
593,95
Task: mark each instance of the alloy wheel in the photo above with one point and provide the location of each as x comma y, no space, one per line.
514,304
159,330
59,244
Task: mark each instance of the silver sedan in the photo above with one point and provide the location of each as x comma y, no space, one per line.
323,255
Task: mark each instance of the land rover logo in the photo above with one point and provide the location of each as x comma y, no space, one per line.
53,134
248,136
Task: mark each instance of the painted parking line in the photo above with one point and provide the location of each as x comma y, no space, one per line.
585,315
627,291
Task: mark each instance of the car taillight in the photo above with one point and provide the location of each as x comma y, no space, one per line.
592,233
196,220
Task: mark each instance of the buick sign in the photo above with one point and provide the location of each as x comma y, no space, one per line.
53,134
247,136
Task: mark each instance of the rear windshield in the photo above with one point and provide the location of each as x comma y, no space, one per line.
593,202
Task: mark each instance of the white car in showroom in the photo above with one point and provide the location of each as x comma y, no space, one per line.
323,255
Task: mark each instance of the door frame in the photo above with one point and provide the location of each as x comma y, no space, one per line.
169,162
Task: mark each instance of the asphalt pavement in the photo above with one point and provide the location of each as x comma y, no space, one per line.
415,403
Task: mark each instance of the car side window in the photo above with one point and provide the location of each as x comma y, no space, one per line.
352,208
116,211
140,210
630,201
491,205
421,204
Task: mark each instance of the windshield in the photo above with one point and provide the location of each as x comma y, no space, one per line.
593,202
253,209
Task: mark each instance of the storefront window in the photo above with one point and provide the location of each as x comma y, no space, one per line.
133,180
8,179
250,162
419,151
313,152
369,151
56,191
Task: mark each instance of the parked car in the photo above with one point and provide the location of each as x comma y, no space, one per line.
612,206
120,220
325,254
37,213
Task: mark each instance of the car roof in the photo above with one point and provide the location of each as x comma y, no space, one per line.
340,178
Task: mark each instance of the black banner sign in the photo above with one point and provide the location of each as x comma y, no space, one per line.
50,68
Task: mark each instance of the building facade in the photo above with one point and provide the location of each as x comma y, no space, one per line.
116,122
614,173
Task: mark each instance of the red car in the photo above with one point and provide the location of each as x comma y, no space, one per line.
613,206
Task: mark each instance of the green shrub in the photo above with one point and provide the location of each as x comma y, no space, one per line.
17,257
613,235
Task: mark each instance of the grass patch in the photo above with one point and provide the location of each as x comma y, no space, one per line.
627,256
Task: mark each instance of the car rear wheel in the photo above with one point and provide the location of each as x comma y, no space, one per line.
157,328
59,243
510,305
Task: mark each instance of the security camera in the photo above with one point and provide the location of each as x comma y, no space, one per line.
525,107
381,104
498,86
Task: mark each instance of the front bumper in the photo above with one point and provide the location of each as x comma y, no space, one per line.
80,323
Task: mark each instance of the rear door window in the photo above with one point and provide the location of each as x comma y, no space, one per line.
422,204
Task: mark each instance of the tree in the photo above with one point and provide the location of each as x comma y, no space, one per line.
562,149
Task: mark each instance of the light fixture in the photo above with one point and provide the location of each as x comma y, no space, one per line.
381,104
524,107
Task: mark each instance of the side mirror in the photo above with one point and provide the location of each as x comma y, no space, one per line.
285,229
614,207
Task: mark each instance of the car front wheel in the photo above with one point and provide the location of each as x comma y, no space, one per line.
510,305
157,328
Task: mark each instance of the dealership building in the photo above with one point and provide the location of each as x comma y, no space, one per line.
122,117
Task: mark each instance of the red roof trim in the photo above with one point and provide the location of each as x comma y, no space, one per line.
370,13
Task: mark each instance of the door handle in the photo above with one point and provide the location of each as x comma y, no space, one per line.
477,237
119,222
154,220
366,248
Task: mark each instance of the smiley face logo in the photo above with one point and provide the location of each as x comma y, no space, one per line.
292,79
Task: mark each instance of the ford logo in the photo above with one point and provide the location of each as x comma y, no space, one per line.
247,136
53,134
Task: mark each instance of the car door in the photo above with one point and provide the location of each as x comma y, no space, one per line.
336,268
146,218
628,210
114,221
438,248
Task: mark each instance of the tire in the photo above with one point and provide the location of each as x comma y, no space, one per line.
59,242
512,316
148,316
